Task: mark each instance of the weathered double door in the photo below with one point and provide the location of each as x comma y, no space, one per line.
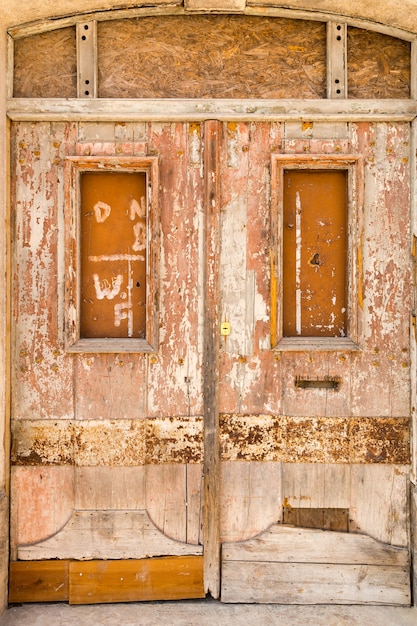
206,435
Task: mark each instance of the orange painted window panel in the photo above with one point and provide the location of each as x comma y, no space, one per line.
113,255
315,253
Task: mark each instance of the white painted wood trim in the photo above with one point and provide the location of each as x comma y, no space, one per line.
413,77
125,110
337,86
87,59
10,66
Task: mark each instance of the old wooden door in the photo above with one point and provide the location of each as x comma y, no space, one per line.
226,396
112,440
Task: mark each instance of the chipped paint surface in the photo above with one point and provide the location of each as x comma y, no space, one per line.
131,410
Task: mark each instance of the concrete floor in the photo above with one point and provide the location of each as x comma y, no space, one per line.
205,613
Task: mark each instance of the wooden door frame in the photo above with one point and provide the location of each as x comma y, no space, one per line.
215,111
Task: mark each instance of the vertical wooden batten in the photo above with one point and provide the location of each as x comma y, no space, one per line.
87,59
212,130
336,60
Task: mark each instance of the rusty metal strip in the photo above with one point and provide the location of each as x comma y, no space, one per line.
128,443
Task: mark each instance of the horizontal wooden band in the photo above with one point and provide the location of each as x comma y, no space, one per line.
102,110
127,443
92,582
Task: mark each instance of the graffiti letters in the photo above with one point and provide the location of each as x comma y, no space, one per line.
104,289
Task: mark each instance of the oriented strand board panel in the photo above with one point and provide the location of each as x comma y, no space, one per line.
378,66
45,65
171,578
38,581
211,56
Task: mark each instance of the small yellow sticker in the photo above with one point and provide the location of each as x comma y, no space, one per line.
225,328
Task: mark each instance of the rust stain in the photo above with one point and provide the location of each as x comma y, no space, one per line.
242,437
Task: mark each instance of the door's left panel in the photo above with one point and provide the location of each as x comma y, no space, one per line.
100,475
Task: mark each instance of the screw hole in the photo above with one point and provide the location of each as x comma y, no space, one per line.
87,93
337,81
339,38
339,27
85,26
87,82
337,90
83,37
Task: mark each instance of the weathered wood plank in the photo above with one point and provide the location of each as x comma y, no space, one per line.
42,373
86,35
42,503
324,519
250,498
286,544
125,110
211,522
174,379
166,499
107,535
379,502
195,488
111,488
300,583
39,581
170,578
316,485
336,60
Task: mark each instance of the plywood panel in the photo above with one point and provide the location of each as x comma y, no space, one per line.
314,253
39,581
168,578
226,57
378,66
45,65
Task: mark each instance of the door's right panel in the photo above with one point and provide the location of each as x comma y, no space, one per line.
323,452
